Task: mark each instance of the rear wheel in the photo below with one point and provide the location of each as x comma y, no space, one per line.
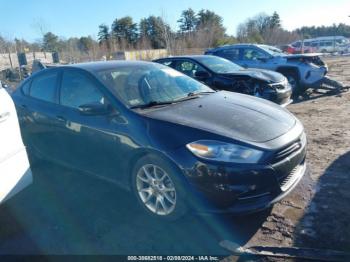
158,189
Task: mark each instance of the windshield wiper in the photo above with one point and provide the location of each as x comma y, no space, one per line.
199,93
190,95
153,103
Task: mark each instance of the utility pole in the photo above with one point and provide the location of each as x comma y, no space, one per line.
334,33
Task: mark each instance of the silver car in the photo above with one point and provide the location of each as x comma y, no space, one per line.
301,70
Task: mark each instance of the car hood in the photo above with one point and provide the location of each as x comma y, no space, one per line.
236,116
260,74
302,55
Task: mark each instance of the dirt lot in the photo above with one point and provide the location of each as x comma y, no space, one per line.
317,213
68,213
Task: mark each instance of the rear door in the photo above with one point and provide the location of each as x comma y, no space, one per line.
231,54
40,116
15,172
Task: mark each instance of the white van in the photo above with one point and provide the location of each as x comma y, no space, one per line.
324,44
330,44
15,173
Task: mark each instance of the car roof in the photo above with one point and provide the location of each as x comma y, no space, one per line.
236,45
95,67
183,56
106,65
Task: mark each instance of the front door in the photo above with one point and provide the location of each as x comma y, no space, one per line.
191,68
254,58
92,143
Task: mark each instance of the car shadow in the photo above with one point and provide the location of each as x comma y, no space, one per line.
325,223
65,212
315,94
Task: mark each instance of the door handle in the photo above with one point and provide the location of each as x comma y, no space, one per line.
60,118
4,116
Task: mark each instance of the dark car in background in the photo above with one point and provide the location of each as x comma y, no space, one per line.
174,142
302,70
221,74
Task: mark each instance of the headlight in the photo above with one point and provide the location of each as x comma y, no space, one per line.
220,151
280,85
285,82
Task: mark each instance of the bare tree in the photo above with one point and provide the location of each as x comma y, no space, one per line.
167,33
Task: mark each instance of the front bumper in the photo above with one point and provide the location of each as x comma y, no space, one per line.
278,94
15,174
313,78
241,188
259,202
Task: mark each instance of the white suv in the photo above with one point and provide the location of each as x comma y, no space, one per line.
15,173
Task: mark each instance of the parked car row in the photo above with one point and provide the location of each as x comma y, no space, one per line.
221,74
302,71
175,143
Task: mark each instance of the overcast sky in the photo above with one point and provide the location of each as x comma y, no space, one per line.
68,18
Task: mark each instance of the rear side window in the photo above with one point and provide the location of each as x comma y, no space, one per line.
230,54
170,63
77,89
44,87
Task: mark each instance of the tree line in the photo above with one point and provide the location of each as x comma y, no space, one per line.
202,29
317,31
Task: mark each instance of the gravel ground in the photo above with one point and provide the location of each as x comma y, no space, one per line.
65,212
317,213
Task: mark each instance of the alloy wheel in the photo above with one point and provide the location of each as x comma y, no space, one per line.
156,189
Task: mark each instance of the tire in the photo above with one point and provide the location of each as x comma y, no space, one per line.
293,80
160,194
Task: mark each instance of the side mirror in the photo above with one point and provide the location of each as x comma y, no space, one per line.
201,74
95,109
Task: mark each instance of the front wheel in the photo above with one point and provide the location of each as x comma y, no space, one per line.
293,80
158,189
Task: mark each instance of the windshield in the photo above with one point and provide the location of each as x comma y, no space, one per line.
219,65
274,51
148,83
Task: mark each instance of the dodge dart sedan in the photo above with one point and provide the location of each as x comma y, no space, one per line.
175,143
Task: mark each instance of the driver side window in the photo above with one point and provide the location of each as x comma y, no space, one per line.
253,54
189,68
77,89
